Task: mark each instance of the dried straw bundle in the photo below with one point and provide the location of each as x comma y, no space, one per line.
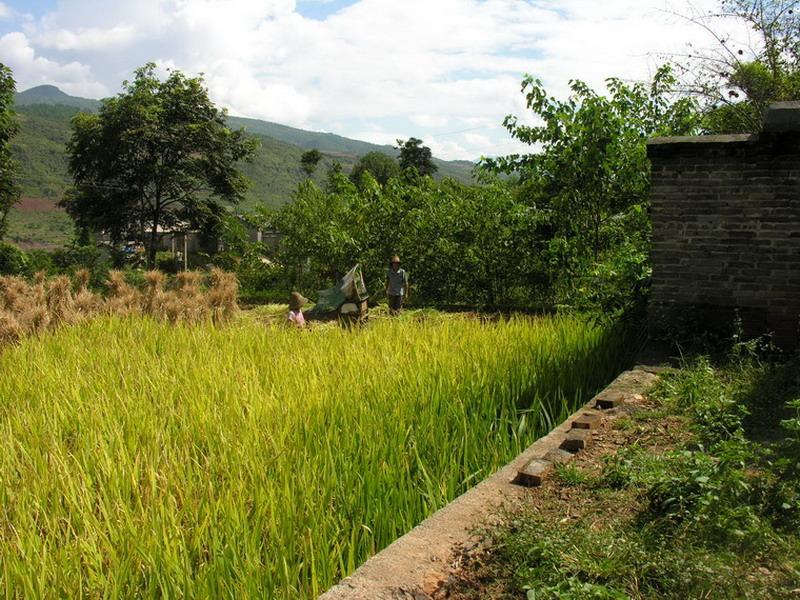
123,299
60,302
87,303
186,302
10,329
38,291
47,303
222,295
154,298
15,294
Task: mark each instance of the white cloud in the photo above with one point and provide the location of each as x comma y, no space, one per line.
415,67
447,148
5,11
477,140
232,84
427,120
30,69
379,136
89,39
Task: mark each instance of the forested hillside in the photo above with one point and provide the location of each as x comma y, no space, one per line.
44,115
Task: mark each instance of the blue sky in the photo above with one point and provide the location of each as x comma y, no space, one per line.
322,10
446,71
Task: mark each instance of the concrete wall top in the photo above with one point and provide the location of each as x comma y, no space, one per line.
780,117
734,138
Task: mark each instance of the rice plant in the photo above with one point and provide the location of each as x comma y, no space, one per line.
143,459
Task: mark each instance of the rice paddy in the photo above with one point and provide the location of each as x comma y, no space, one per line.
140,458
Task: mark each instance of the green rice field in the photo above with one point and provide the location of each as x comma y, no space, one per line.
140,459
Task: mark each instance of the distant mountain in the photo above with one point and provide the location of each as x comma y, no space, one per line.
45,111
336,144
330,143
50,94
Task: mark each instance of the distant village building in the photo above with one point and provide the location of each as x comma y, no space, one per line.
268,237
182,242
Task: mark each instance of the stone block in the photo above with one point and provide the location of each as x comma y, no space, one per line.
577,439
534,473
609,400
557,456
587,421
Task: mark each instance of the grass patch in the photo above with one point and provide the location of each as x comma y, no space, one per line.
716,516
570,475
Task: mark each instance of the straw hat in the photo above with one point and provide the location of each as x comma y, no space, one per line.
395,259
297,301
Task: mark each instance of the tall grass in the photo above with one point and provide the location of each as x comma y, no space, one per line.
143,459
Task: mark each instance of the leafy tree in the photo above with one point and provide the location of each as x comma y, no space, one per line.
414,155
468,245
381,166
736,81
157,155
310,160
589,176
333,176
9,191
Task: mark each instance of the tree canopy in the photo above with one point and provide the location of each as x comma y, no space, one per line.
157,155
9,190
464,244
736,80
414,155
565,226
309,161
381,166
587,179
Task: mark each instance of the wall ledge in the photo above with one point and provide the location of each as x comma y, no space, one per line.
734,138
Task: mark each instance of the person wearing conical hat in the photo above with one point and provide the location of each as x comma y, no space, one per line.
396,285
296,304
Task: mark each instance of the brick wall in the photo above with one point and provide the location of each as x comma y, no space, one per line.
726,229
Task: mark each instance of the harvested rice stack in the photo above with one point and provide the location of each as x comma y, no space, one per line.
35,319
87,303
29,309
15,294
154,296
24,306
186,302
60,302
10,330
37,290
222,295
123,299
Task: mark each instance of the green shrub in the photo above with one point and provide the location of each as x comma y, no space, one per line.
13,260
41,261
75,257
792,425
168,263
